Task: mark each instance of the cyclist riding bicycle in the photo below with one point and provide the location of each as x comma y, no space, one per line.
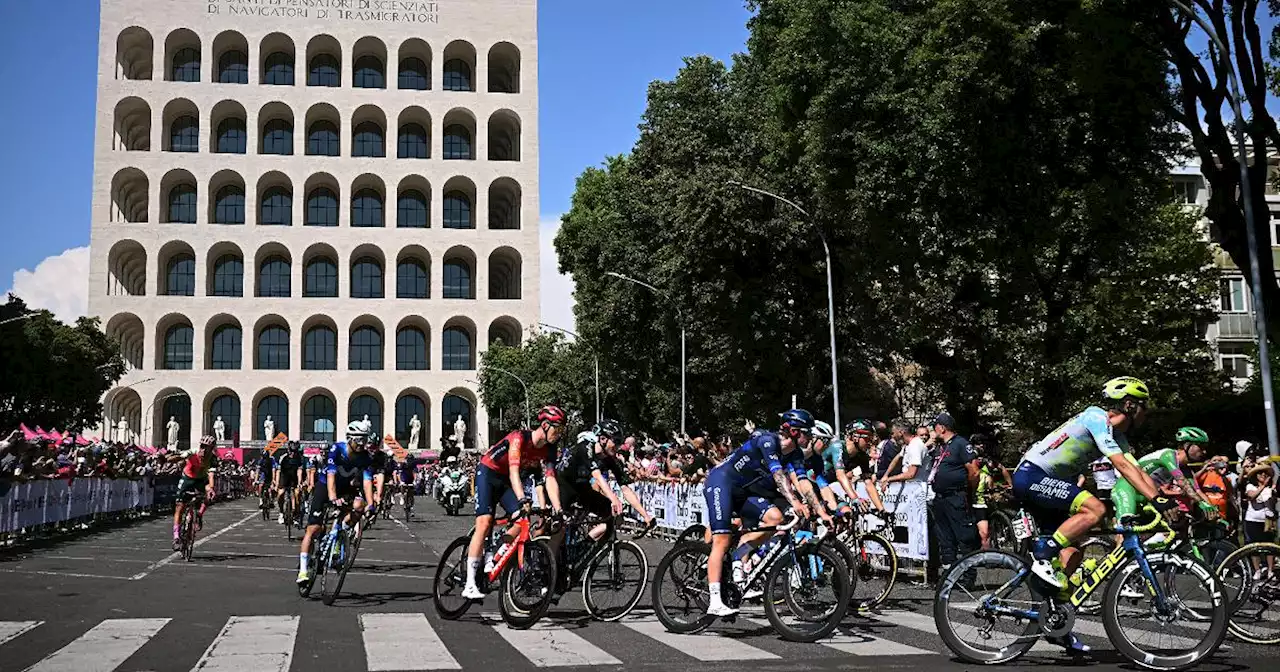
499,478
404,475
266,476
854,454
197,475
1166,469
580,473
289,474
345,480
383,466
746,485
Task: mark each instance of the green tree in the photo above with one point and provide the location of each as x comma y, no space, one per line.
54,374
555,370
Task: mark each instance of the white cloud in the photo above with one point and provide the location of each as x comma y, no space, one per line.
59,284
557,288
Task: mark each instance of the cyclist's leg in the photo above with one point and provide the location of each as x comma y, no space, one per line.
315,519
719,494
1054,495
490,489
981,516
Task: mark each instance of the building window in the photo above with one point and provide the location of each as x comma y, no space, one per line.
277,137
457,142
233,68
411,280
273,349
322,207
279,69
277,207
182,204
228,276
323,71
411,350
366,279
1235,360
457,211
366,208
1232,295
413,143
180,276
369,141
322,140
319,419
365,405
186,65
177,347
273,278
226,348
1186,190
321,278
232,138
229,205
184,134
369,73
457,75
365,352
457,280
275,407
457,349
320,349
414,75
412,210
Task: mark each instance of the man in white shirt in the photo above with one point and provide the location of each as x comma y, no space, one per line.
912,460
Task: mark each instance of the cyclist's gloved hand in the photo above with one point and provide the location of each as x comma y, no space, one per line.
525,505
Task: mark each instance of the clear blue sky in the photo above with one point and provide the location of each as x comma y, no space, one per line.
597,58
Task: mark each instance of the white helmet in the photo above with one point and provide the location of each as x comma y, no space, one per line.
822,430
359,428
452,459
586,437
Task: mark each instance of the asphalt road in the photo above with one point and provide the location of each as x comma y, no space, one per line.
120,600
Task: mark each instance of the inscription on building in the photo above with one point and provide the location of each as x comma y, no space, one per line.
363,11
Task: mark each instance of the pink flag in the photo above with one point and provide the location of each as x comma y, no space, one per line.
40,433
27,433
55,435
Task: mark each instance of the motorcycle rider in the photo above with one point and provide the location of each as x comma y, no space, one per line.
450,478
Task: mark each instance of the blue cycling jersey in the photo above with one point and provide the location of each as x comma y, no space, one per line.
345,465
755,462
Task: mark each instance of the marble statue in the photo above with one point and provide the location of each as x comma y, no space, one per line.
269,428
172,428
459,431
219,429
415,428
122,430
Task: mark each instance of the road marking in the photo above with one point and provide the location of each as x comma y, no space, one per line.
75,575
403,642
199,542
705,647
251,644
11,629
104,647
550,645
859,644
294,570
922,623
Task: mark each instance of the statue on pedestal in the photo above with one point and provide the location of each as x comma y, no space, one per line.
415,428
172,434
219,429
269,429
122,430
460,432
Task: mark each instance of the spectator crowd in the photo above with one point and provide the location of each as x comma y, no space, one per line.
24,458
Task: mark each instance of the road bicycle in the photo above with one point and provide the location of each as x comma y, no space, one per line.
1251,575
873,561
286,509
187,524
806,585
613,573
334,551
995,589
523,569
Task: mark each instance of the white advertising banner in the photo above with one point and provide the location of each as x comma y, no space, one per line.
40,502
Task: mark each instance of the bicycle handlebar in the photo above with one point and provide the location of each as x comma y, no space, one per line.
1157,521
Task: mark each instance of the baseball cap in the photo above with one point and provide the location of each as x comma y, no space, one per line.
945,420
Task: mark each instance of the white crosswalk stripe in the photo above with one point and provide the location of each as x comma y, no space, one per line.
11,629
549,645
403,642
104,647
706,646
251,644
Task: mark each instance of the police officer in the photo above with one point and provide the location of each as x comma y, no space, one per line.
953,477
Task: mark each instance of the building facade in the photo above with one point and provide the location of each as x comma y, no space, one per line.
312,210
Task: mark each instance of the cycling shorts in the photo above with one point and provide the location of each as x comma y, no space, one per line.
725,500
288,480
493,488
1036,488
186,485
319,502
264,477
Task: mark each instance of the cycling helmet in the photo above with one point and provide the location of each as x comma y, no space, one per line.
452,459
860,428
206,441
1124,387
358,429
294,447
586,437
798,418
1191,435
610,428
823,430
552,414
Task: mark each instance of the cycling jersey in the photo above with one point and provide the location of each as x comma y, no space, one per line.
408,470
1067,451
289,466
517,445
346,466
194,466
1161,465
577,463
744,483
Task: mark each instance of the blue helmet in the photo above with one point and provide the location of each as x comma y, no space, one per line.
798,418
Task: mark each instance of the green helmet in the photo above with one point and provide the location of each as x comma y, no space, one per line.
1117,389
1191,435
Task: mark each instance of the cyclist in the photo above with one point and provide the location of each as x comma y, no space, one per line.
383,466
451,475
266,473
288,476
499,479
580,473
346,479
1166,469
747,483
854,455
822,463
197,475
405,473
991,474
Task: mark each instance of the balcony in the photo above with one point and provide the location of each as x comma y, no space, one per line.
1236,326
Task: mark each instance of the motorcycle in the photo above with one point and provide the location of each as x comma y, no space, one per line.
451,497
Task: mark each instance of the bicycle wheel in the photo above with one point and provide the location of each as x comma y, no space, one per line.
188,533
680,592
262,503
972,607
696,533
814,583
1165,636
875,570
1000,528
344,551
288,515
1252,586
450,580
615,580
850,564
525,591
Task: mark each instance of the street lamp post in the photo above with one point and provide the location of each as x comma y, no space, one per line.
593,352
684,361
25,316
527,422
1251,238
831,301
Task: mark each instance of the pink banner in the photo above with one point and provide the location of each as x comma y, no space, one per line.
27,433
236,454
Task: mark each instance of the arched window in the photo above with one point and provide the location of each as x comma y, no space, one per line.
320,349
457,75
366,279
367,405
457,211
273,277
180,276
186,65
322,207
227,407
454,406
412,210
228,276
233,68
457,142
229,205
226,347
366,208
369,73
457,280
184,134
273,349
320,278
279,69
232,138
365,352
369,140
277,137
411,350
407,407
323,71
177,347
414,75
457,349
322,140
413,143
277,207
275,407
319,419
179,408
411,280
182,204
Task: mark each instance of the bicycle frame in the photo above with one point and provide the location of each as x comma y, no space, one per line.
516,548
775,551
